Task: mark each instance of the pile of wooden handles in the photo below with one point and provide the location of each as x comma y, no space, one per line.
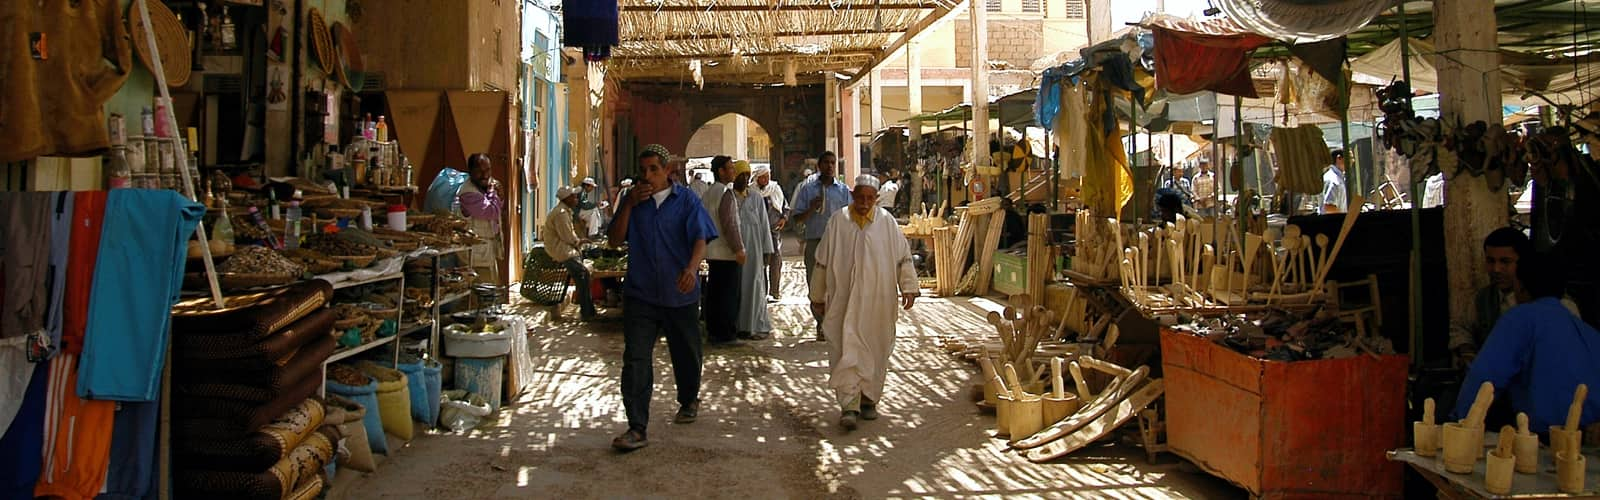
1041,255
1021,330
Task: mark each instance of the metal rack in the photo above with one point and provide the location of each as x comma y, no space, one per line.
343,354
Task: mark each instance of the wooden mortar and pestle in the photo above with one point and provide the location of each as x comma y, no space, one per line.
1002,408
991,379
1059,404
1463,441
1570,436
1026,414
1566,443
1500,462
1425,434
1570,468
1526,447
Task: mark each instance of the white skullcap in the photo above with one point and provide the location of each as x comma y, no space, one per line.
666,156
867,180
564,191
760,169
589,181
627,182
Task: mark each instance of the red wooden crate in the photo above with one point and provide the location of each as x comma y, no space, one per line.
1307,429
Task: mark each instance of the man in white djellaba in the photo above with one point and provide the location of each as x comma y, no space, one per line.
864,277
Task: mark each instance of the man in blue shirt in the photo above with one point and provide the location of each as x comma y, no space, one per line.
1537,353
666,229
815,201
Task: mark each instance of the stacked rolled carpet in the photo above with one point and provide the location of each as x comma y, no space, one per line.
243,424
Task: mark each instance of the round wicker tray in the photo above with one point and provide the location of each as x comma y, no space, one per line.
237,281
346,324
342,213
172,42
321,41
357,261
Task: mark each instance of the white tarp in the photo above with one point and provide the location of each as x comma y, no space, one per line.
1299,21
1563,83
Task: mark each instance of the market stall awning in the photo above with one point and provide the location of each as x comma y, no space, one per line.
957,113
1016,110
1563,80
763,41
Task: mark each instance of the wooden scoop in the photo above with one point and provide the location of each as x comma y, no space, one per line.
1575,412
1480,406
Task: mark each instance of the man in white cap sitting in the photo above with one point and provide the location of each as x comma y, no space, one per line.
589,208
561,243
864,272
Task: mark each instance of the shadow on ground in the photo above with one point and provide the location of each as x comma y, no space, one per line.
767,428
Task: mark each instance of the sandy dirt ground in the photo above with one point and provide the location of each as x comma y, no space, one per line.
767,428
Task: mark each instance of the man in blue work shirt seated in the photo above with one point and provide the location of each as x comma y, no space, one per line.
1537,353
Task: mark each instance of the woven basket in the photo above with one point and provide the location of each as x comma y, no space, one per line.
172,42
346,324
237,281
339,213
321,41
356,261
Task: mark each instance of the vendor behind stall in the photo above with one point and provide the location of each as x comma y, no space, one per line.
1537,353
480,201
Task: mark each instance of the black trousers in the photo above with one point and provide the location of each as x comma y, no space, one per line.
722,301
643,324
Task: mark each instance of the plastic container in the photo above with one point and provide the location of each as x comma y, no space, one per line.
291,226
461,342
372,423
397,217
482,377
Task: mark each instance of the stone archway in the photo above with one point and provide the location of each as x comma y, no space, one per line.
732,134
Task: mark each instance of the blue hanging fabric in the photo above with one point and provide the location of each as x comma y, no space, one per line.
591,25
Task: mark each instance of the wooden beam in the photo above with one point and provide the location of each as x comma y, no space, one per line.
927,21
658,57
716,8
723,36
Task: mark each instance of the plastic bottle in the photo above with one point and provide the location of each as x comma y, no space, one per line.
147,122
272,203
383,130
227,31
255,217
224,227
369,130
366,217
291,226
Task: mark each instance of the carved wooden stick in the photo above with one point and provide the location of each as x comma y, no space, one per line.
1575,411
1480,406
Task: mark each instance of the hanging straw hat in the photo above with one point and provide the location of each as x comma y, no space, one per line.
172,42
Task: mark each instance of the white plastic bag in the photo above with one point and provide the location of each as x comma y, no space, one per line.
462,411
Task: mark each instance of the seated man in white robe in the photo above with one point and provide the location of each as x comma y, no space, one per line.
864,271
